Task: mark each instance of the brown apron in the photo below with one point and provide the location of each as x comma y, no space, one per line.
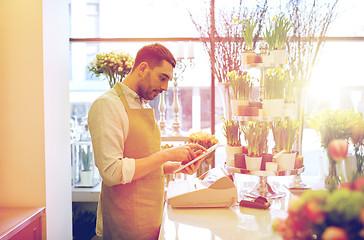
134,210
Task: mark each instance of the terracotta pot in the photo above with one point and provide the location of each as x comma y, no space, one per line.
239,160
236,104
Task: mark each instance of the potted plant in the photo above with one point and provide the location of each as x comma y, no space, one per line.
275,80
86,173
114,65
285,133
332,124
281,27
241,85
269,37
248,56
232,132
290,107
256,135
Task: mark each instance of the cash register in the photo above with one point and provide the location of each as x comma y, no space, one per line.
214,188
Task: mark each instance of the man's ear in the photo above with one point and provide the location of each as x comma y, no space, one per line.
142,68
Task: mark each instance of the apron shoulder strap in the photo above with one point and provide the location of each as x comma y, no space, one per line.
122,96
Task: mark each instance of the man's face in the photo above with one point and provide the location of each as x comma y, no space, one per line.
155,80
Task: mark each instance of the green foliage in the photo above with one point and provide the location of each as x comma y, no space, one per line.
275,82
333,124
344,205
86,157
248,32
241,85
275,34
285,133
232,132
114,65
256,134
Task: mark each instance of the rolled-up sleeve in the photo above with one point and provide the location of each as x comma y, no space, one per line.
109,125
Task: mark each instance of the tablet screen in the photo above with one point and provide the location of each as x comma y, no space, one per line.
208,151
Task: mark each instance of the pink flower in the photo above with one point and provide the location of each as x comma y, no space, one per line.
338,149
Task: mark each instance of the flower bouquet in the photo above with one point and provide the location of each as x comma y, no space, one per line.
333,124
114,65
324,215
206,140
357,139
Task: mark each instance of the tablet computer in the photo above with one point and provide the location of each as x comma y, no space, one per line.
208,151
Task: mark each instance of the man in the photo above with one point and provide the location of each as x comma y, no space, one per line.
126,143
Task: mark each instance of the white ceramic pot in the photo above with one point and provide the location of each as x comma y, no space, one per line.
286,161
271,166
230,152
253,163
268,60
86,178
235,105
290,109
279,56
273,107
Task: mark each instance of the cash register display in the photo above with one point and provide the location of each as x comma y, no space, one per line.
213,175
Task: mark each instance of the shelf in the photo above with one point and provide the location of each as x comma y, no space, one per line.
255,118
264,173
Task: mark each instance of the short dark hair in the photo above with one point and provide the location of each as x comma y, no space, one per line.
154,54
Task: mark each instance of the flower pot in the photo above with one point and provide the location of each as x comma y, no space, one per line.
273,107
268,60
271,166
290,109
253,111
235,106
253,163
243,110
286,161
248,57
230,152
279,56
266,157
86,178
239,160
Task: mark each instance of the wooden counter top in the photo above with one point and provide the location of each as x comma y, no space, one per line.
15,219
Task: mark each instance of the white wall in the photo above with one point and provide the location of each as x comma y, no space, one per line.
56,119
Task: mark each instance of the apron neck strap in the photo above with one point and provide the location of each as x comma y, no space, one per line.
122,96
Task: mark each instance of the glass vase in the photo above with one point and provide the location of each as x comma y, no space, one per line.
332,181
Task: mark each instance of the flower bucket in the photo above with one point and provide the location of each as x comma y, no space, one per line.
235,106
230,152
273,107
290,109
253,163
286,161
279,56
